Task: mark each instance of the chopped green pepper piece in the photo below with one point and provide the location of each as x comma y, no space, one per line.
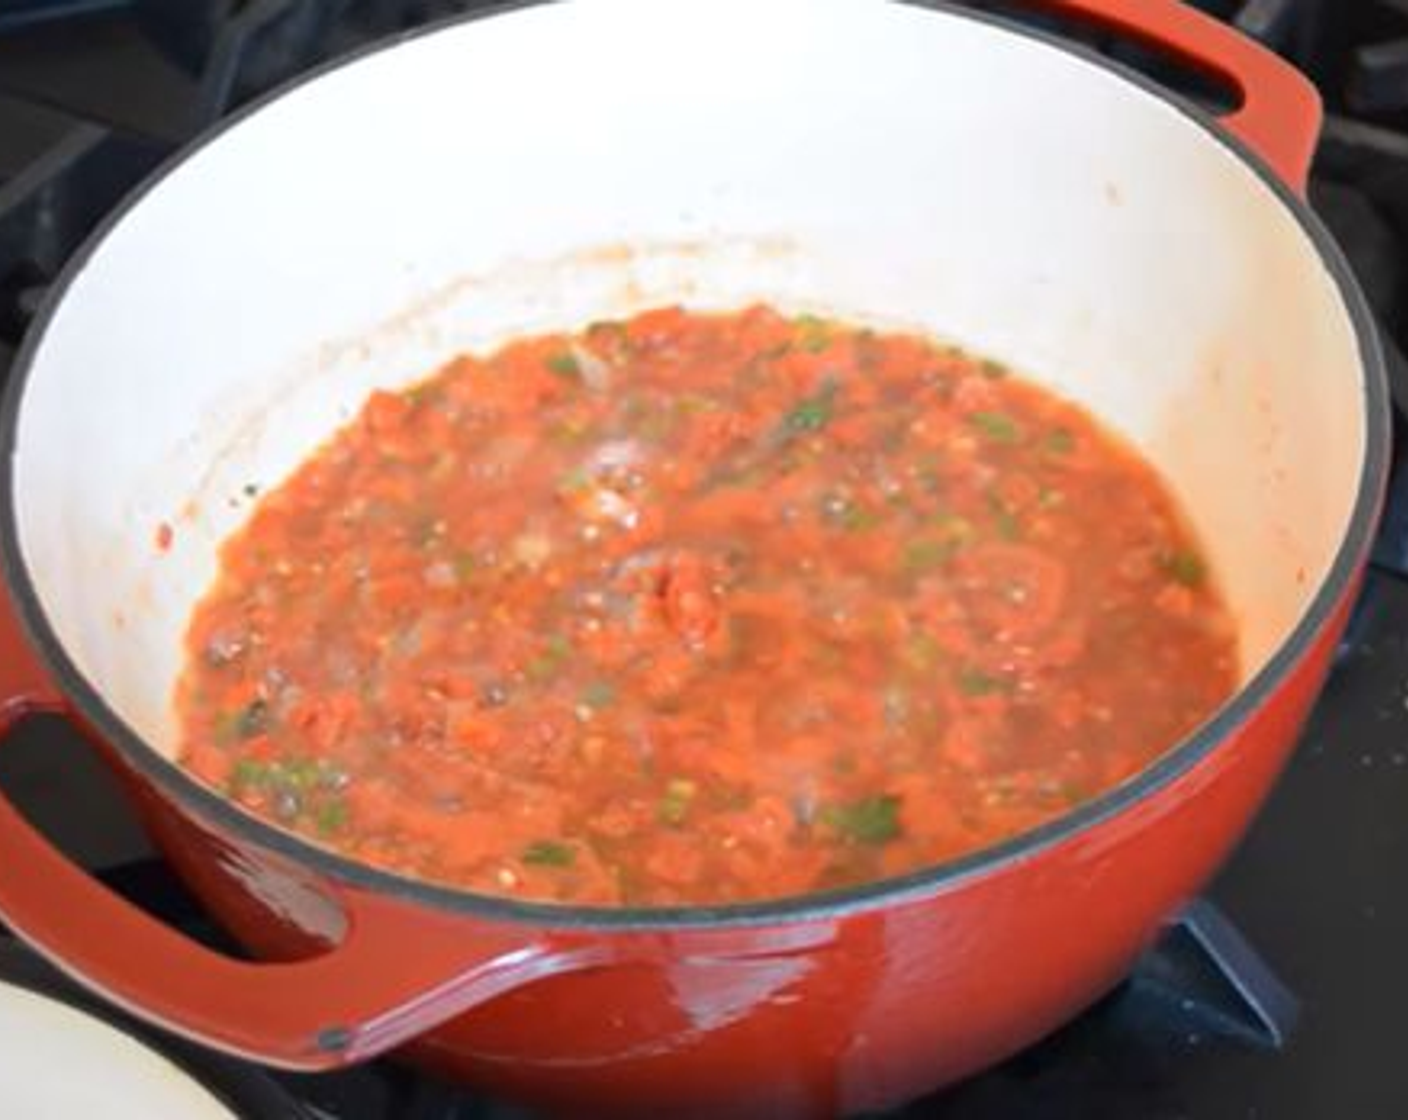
922,651
657,424
225,728
1184,567
871,820
549,853
813,334
599,694
1059,441
546,664
815,412
565,365
997,426
995,371
926,554
975,682
613,329
1075,794
674,806
849,515
954,528
330,817
692,404
248,774
466,564
569,430
1009,528
424,393
429,531
858,519
299,773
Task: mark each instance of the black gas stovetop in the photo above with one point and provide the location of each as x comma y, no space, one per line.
1280,996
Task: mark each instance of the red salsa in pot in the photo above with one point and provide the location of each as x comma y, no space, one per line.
700,608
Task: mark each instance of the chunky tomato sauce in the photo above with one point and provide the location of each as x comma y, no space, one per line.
700,608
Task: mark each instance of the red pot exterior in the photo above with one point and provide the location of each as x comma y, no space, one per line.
860,1011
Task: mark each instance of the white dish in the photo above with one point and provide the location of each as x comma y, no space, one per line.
56,1063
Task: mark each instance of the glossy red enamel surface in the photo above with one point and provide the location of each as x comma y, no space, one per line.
914,994
24,686
1279,115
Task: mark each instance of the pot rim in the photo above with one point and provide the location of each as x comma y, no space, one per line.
219,811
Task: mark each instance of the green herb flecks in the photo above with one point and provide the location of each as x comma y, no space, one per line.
948,536
545,666
696,404
466,564
609,330
675,804
569,430
976,683
225,728
1075,793
424,393
286,775
952,527
575,481
1007,524
814,334
657,424
871,820
598,695
813,413
1059,441
928,554
330,818
997,426
922,652
846,513
1184,567
549,853
860,519
565,365
305,773
248,773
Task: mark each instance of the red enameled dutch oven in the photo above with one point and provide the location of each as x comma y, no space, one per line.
915,164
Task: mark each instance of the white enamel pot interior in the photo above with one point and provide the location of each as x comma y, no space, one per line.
570,162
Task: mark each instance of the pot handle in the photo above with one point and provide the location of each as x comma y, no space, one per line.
1280,114
379,987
